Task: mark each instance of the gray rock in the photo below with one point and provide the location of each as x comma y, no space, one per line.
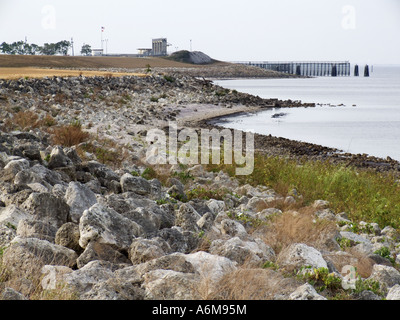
15,166
38,174
59,190
178,241
79,198
391,232
47,208
11,295
143,250
253,253
15,196
209,266
394,293
149,221
84,279
68,236
233,228
215,206
326,214
58,159
300,255
25,255
53,276
355,237
175,262
72,155
386,275
206,221
306,292
102,252
12,215
256,204
137,185
321,204
7,234
105,225
114,290
170,285
36,229
156,189
368,295
187,218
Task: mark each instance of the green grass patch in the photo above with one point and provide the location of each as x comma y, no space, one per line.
364,194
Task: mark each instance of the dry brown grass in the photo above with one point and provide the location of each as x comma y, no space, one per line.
299,227
22,120
363,265
61,62
70,135
106,151
247,284
27,72
29,283
28,120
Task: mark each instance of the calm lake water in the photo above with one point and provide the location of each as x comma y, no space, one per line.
357,115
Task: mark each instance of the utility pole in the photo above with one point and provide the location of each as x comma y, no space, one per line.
106,41
72,46
190,45
102,30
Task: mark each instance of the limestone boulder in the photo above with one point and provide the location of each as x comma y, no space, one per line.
137,185
250,252
388,276
25,256
105,225
306,292
47,208
300,255
79,198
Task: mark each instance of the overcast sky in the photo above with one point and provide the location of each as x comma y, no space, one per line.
362,31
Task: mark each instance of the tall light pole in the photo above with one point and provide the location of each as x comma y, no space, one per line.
102,30
106,41
72,46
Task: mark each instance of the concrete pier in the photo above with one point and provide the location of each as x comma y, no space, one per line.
312,68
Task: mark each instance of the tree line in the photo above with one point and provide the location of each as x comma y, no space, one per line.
50,49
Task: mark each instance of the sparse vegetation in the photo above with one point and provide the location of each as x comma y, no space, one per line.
206,193
69,135
363,194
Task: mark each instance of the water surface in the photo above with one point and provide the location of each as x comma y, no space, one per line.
355,114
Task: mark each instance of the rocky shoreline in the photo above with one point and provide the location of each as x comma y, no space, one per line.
75,224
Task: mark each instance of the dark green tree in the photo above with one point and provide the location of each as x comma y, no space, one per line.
86,50
62,47
48,49
5,48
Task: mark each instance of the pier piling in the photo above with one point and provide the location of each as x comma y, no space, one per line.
366,71
310,68
356,71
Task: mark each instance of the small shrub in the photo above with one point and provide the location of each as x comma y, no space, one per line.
149,173
22,120
298,227
135,173
206,194
384,252
321,278
47,121
70,135
169,78
183,176
369,285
